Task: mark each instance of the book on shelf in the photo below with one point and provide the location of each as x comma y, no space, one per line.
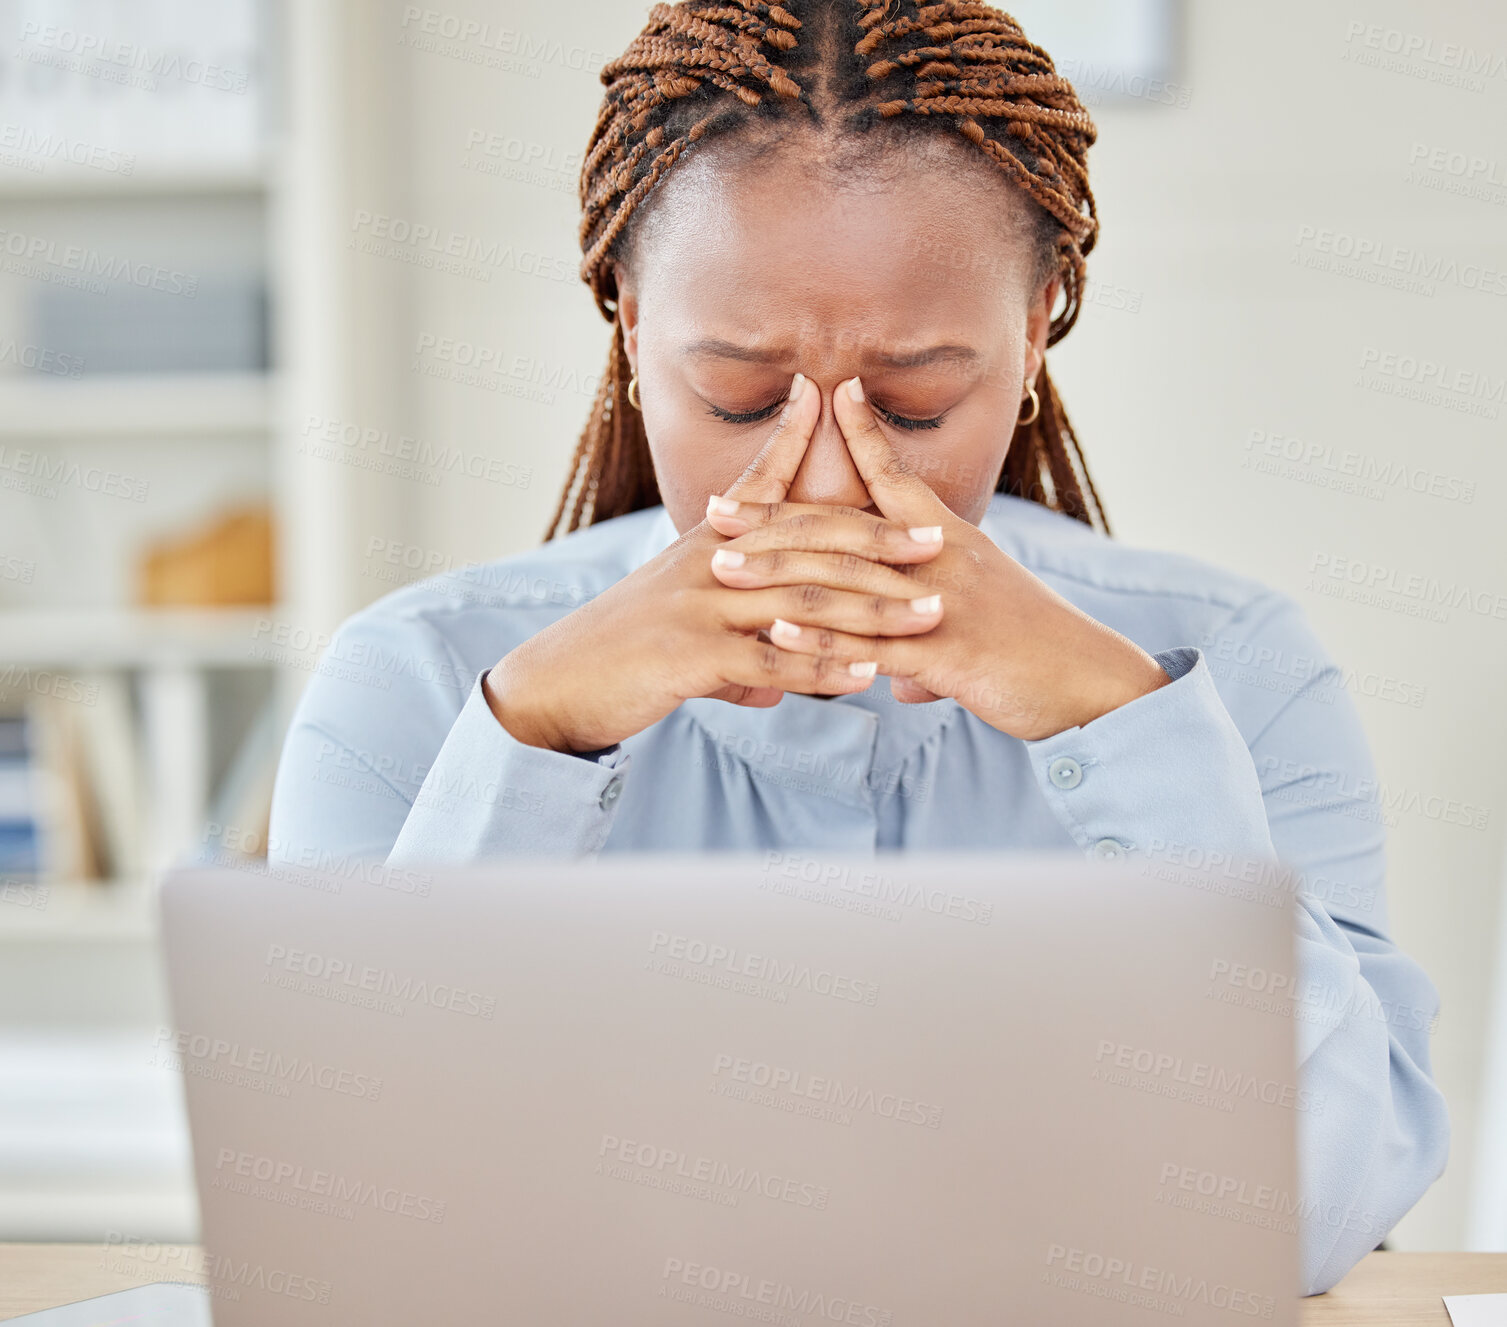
69,774
20,854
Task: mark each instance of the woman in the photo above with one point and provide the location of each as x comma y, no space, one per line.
834,576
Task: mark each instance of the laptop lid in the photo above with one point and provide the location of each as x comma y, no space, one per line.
905,1090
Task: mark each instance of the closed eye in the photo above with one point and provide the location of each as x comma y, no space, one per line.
753,416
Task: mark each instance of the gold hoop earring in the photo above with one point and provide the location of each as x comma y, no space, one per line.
633,392
1035,407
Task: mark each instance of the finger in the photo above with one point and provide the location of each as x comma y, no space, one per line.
758,665
897,490
817,606
840,571
893,655
832,530
733,518
756,698
907,691
770,473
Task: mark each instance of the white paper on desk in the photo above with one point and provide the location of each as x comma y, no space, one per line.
1477,1310
163,1304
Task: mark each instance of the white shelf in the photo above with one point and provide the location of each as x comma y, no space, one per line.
91,910
129,638
93,186
131,404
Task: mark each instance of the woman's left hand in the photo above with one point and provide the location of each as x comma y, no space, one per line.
1007,648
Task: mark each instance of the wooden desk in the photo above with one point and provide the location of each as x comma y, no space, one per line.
1395,1289
1406,1289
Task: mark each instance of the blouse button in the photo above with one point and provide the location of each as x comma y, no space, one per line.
611,792
1107,850
1065,772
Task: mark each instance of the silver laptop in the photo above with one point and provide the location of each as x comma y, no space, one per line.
947,1091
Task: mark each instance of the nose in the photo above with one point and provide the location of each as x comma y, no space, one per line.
827,475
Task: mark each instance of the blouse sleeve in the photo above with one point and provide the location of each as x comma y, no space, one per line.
1278,767
394,755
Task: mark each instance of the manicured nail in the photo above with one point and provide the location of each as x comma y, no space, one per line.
931,604
728,557
797,386
716,506
863,669
788,630
855,390
926,534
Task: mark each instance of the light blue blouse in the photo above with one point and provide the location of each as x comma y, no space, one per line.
1254,748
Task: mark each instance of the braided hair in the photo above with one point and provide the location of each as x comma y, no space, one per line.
703,68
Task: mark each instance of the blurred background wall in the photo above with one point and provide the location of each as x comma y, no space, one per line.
288,305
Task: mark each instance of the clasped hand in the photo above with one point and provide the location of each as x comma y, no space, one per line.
916,593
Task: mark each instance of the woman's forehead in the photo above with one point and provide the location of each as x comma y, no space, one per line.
730,244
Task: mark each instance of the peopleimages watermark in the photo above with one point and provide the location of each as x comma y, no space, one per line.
493,369
366,985
794,1089
345,657
14,678
1264,1206
434,249
39,474
1140,1285
1198,1082
256,1067
31,149
694,1176
1256,880
1378,262
1345,470
1414,594
1308,1000
1464,174
314,1189
228,1276
308,864
692,955
1420,55
1096,83
507,157
403,456
785,871
40,359
124,62
1431,382
73,264
430,785
491,45
703,1285
805,769
499,581
1341,793
33,894
1316,679
21,570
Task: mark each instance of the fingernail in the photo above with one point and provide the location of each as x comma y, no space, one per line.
926,534
721,506
780,627
797,386
931,604
728,557
863,669
855,390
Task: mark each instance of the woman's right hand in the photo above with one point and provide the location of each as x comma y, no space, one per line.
670,630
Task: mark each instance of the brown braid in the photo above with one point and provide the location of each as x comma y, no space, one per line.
703,68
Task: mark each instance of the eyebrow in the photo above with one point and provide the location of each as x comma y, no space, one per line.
715,347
